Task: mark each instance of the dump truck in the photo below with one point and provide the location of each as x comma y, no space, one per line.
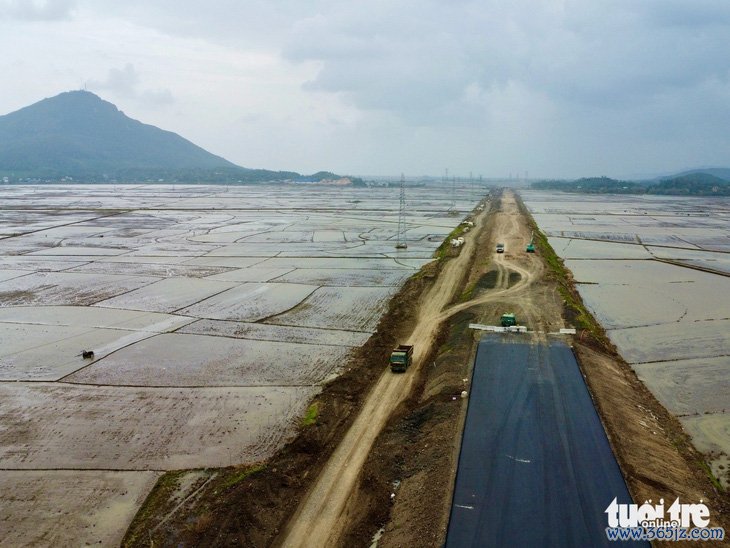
500,248
401,357
508,319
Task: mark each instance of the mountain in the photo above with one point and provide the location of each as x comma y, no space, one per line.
77,134
719,172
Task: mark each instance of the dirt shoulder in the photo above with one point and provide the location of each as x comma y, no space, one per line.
404,493
656,456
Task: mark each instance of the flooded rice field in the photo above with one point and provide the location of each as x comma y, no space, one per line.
214,315
70,507
654,271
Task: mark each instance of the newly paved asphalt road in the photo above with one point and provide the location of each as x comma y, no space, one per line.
535,467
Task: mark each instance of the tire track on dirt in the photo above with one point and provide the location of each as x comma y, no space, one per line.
320,517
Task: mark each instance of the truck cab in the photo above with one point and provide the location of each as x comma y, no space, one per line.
508,319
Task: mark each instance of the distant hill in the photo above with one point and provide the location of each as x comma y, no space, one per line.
80,136
720,172
592,185
692,184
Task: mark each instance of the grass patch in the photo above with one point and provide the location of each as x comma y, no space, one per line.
310,417
468,293
708,471
241,474
154,505
580,316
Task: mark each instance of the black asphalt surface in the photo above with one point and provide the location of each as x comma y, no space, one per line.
535,467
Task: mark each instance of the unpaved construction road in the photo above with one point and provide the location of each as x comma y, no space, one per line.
655,455
321,517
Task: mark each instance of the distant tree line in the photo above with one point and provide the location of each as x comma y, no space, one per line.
218,175
694,184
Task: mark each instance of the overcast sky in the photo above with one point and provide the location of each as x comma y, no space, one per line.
555,88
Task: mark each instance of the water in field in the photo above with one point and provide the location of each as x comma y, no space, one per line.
214,315
654,271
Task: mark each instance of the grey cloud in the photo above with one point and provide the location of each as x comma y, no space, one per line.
125,82
122,81
254,24
404,59
682,13
417,59
158,98
37,10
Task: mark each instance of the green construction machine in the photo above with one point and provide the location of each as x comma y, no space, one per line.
508,319
531,246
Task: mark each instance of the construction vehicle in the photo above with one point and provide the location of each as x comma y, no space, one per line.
531,246
500,248
508,319
401,358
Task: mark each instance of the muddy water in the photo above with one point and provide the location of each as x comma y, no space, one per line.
631,257
122,272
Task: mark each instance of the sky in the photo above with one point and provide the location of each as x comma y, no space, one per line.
547,88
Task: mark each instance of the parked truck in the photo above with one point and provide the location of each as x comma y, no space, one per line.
401,358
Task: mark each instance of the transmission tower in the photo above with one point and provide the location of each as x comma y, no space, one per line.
445,181
452,209
401,243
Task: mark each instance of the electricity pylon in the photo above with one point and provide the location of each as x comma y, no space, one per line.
401,243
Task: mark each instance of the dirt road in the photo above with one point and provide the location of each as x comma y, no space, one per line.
507,229
320,518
